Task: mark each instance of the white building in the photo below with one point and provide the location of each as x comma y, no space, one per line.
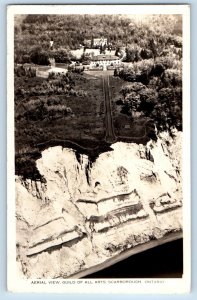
99,42
105,61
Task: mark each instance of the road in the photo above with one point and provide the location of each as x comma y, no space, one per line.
109,135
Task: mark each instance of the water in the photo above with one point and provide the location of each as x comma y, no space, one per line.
165,261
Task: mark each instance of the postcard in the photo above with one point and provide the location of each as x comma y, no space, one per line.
98,177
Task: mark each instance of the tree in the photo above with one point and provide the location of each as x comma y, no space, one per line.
39,56
115,72
60,56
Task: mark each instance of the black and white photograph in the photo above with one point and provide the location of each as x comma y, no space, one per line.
98,130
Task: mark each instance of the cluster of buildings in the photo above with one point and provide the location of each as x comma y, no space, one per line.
98,54
105,59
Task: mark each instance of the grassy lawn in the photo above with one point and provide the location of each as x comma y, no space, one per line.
44,68
125,127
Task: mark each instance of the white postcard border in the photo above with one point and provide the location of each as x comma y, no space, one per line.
139,286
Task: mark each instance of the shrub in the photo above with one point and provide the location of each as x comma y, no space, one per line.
20,71
116,72
139,71
157,70
39,56
119,102
172,77
60,56
133,87
146,54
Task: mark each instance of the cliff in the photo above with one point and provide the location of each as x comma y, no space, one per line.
86,214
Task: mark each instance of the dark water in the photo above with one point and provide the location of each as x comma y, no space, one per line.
165,261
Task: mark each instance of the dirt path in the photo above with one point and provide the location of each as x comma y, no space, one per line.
110,135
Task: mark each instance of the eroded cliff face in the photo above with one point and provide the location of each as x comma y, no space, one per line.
86,213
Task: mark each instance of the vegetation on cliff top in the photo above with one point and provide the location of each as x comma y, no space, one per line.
143,39
146,91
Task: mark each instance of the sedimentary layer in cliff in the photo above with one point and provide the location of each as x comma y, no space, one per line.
84,216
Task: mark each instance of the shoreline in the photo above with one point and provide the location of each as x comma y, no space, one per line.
130,252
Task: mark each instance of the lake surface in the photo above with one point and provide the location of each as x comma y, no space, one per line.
165,261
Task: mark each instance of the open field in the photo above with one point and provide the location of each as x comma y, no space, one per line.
83,124
99,73
80,113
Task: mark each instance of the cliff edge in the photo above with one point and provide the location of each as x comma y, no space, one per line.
86,215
